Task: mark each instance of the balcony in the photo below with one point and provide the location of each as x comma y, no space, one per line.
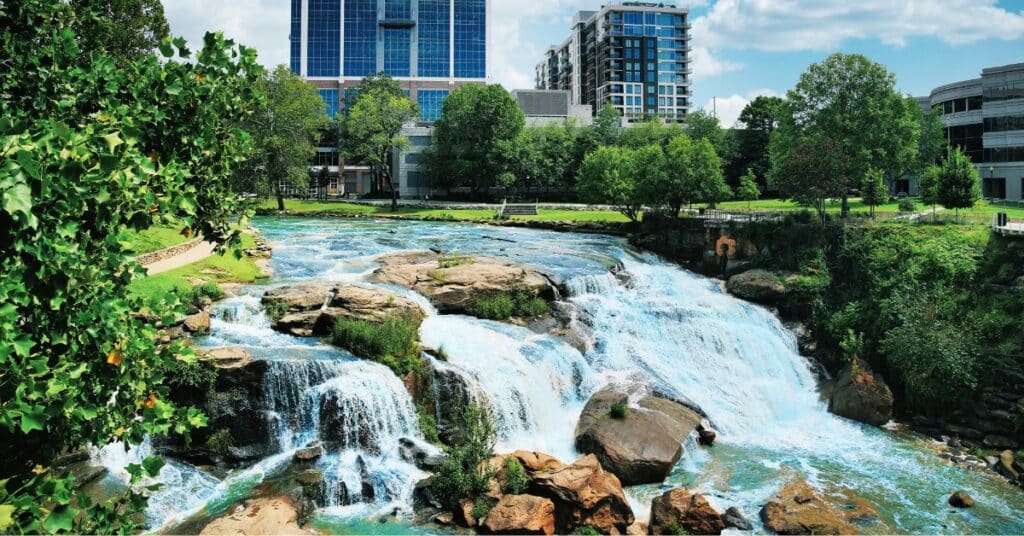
396,23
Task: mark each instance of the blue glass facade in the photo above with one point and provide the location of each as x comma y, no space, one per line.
470,38
397,9
434,38
330,97
324,38
397,42
430,103
360,37
295,37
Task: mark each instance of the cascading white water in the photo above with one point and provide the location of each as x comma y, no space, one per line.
651,322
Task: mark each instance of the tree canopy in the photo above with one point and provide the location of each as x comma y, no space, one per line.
959,182
285,133
122,29
91,150
471,138
610,176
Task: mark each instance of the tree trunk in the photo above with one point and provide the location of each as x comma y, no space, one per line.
280,202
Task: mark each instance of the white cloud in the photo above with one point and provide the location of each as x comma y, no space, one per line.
705,65
259,24
782,25
729,108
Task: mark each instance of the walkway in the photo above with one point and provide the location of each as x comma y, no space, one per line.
924,214
177,259
1013,228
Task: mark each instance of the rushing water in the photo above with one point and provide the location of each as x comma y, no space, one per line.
652,323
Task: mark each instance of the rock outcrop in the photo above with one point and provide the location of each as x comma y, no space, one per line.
862,395
227,358
308,310
641,446
683,509
454,287
585,494
521,514
800,509
198,323
269,517
758,286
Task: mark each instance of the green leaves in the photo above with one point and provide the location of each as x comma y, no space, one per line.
18,199
6,516
61,519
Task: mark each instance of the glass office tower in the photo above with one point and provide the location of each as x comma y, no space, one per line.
429,46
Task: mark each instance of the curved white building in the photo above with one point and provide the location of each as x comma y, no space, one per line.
985,118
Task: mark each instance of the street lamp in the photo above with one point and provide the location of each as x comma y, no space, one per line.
991,179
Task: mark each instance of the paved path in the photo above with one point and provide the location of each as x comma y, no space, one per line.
196,254
924,214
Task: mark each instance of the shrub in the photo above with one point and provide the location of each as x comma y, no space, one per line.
220,442
428,424
393,342
518,302
516,479
276,310
619,410
463,474
586,530
195,296
451,261
907,205
482,506
195,374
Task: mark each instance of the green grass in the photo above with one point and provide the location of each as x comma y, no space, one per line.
214,269
393,343
154,239
297,206
518,303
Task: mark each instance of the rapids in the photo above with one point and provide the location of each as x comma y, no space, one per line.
650,323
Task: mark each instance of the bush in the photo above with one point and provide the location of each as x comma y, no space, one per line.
482,506
196,296
451,261
463,474
518,302
428,424
516,479
276,310
907,205
394,342
586,530
220,442
198,375
619,410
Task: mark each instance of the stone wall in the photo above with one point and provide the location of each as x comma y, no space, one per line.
709,247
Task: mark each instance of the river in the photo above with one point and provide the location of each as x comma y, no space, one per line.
652,323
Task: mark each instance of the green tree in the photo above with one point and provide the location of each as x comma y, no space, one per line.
959,182
929,186
470,139
607,125
693,175
853,101
90,150
373,130
702,125
875,191
465,473
123,29
285,130
654,131
760,118
808,170
748,190
933,142
607,177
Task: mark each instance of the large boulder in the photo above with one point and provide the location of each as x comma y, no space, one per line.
683,509
862,395
454,287
521,514
801,509
585,495
759,286
198,323
641,446
312,310
227,358
297,298
271,516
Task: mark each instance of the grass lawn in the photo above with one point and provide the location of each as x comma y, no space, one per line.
216,268
154,239
297,206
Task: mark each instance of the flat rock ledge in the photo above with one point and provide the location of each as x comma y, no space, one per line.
308,310
453,284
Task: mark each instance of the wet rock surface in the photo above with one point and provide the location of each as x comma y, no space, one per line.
687,510
862,395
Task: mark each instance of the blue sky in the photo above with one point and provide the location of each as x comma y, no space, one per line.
742,48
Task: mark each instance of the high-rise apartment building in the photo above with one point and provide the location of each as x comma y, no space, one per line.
429,46
633,55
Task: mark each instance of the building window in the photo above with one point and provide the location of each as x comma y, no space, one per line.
397,10
324,38
431,102
295,39
413,180
420,141
413,158
360,37
1003,124
434,38
330,97
396,51
470,38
